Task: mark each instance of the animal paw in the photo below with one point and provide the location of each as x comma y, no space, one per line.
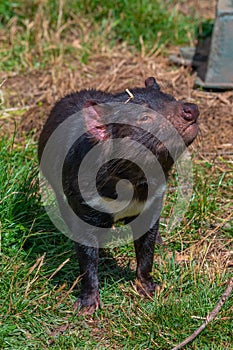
146,288
87,304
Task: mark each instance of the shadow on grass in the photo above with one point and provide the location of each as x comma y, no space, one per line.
44,237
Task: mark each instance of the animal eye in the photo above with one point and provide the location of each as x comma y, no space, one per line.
145,118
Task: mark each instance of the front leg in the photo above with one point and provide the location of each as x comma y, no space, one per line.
89,299
144,248
87,255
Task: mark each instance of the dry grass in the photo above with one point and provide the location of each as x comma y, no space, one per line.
26,100
32,94
114,70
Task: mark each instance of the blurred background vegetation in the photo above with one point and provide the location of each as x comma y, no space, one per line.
34,32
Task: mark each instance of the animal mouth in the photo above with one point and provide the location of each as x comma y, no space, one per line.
192,124
190,132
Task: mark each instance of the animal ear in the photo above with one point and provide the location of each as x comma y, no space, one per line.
92,117
151,82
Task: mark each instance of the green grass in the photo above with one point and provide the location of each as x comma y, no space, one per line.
149,19
36,310
38,264
37,33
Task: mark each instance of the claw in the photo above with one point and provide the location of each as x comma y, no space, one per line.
146,288
87,306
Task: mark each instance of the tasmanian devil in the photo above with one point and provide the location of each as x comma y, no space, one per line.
107,157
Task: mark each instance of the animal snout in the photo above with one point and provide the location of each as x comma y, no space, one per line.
190,112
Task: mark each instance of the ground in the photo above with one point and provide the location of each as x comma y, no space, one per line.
200,256
114,70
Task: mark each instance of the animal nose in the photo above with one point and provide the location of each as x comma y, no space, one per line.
190,111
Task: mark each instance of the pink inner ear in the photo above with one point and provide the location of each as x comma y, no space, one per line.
92,118
99,132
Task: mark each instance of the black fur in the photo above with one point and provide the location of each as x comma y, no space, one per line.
180,114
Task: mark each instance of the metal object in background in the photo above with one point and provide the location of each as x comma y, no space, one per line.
219,70
213,56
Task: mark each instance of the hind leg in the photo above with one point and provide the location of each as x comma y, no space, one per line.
144,248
